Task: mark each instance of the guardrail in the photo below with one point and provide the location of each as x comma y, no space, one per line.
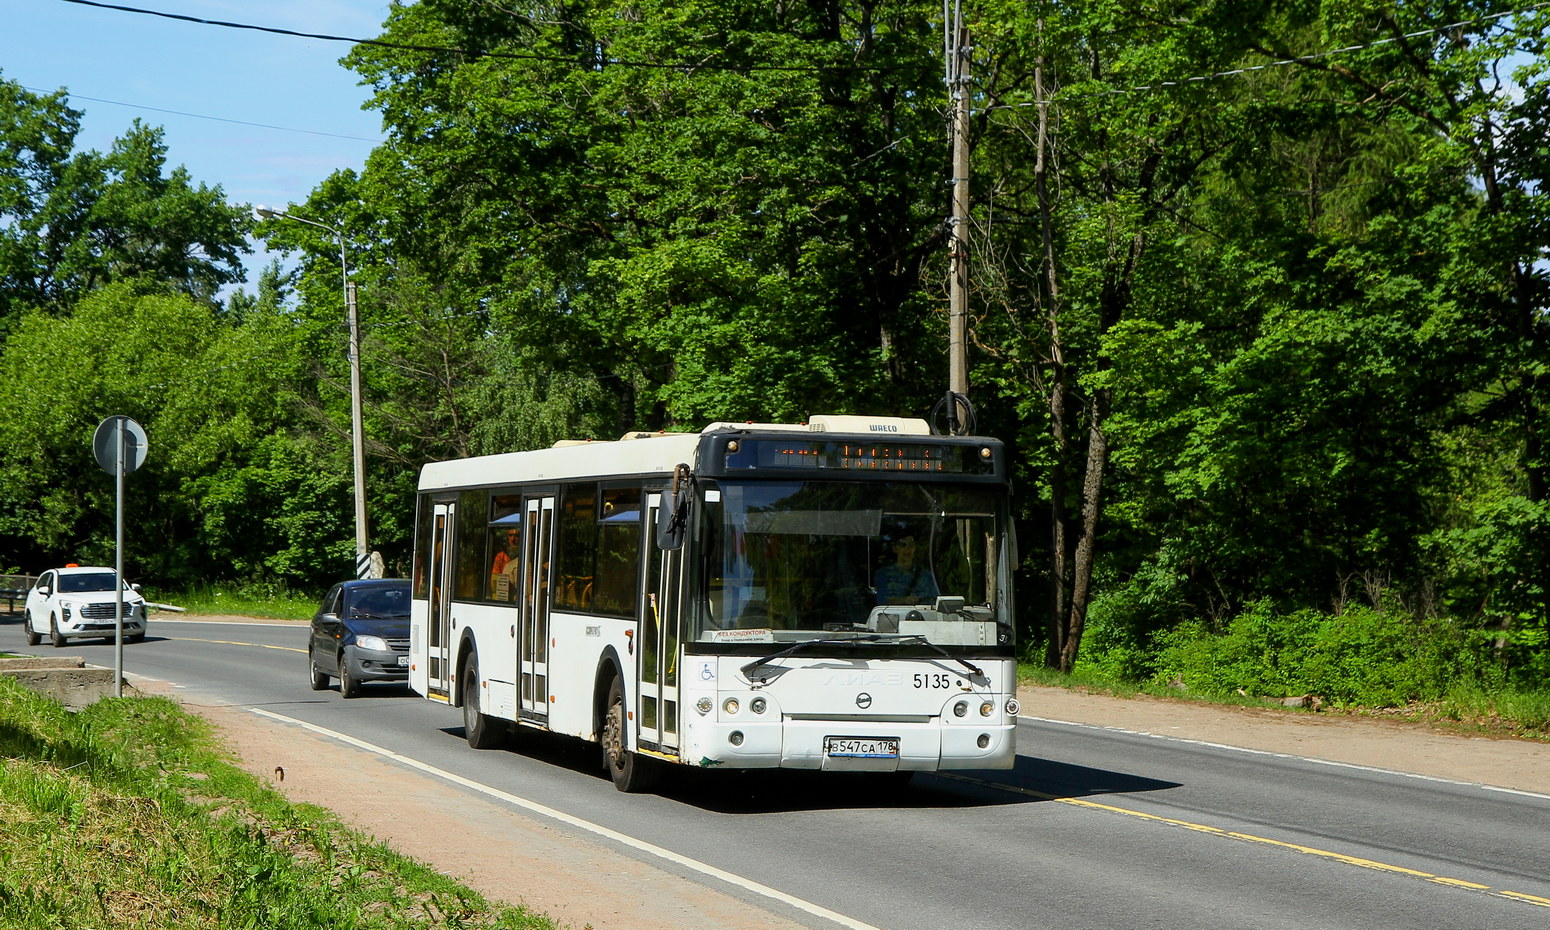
15,587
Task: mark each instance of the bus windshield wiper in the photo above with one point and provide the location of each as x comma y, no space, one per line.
922,641
748,669
798,647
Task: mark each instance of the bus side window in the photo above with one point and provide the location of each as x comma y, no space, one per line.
618,552
470,555
505,547
576,557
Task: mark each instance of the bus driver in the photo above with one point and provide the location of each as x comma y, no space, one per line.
904,580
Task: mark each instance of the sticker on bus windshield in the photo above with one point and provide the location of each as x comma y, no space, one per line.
742,636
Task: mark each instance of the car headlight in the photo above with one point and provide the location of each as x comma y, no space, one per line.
374,643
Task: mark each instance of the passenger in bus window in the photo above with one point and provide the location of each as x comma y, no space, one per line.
504,567
905,580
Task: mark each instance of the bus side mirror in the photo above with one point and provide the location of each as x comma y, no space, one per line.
673,515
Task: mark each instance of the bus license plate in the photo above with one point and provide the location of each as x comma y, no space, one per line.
403,661
861,747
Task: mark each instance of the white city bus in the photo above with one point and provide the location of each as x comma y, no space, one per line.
834,596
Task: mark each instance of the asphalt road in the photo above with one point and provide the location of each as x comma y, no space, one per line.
1093,829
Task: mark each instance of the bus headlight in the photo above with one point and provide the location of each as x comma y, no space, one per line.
757,705
703,705
986,708
961,709
735,737
730,706
1012,707
984,740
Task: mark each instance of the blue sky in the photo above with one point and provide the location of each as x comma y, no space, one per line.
148,66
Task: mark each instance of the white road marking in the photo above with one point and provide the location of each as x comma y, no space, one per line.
1287,755
542,810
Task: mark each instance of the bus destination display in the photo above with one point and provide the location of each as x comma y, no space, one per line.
850,455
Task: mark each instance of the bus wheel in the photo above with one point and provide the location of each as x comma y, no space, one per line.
630,771
481,730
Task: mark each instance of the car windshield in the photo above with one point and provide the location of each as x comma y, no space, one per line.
82,582
790,561
381,604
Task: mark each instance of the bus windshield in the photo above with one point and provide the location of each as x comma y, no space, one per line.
787,561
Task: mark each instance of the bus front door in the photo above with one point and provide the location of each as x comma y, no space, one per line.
537,543
661,610
439,628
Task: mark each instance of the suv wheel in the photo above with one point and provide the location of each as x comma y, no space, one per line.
54,636
33,638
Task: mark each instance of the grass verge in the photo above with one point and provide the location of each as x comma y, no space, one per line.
269,602
1466,708
130,814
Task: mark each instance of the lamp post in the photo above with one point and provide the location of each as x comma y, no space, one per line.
357,442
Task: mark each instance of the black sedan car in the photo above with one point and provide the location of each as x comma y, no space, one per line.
359,634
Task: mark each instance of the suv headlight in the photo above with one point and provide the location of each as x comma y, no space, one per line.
374,643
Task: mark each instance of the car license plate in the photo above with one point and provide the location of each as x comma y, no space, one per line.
861,747
403,661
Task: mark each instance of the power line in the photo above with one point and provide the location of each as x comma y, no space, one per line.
219,119
520,56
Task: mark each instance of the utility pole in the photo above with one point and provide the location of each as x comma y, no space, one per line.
365,565
357,435
957,59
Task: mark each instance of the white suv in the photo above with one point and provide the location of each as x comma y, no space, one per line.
78,602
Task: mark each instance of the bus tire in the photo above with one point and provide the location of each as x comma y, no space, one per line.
481,731
630,771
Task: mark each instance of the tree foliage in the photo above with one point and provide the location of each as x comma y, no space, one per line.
74,221
1259,295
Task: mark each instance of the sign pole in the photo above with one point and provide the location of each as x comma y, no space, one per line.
119,445
118,563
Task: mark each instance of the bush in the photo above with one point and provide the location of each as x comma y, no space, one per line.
1365,656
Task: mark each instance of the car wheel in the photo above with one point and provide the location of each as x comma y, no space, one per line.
32,635
349,685
630,771
481,730
54,636
319,680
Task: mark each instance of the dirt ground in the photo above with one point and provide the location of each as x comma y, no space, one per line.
581,881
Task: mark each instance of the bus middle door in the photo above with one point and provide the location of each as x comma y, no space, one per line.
439,623
661,610
533,644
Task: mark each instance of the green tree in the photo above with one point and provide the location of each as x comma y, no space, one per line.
715,209
71,222
225,492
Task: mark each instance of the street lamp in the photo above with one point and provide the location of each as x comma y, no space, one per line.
358,448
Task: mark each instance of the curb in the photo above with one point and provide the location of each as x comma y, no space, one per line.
66,679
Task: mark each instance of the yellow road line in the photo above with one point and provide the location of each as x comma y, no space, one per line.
1266,841
229,642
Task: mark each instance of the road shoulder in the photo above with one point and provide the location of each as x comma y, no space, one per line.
503,853
1392,745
